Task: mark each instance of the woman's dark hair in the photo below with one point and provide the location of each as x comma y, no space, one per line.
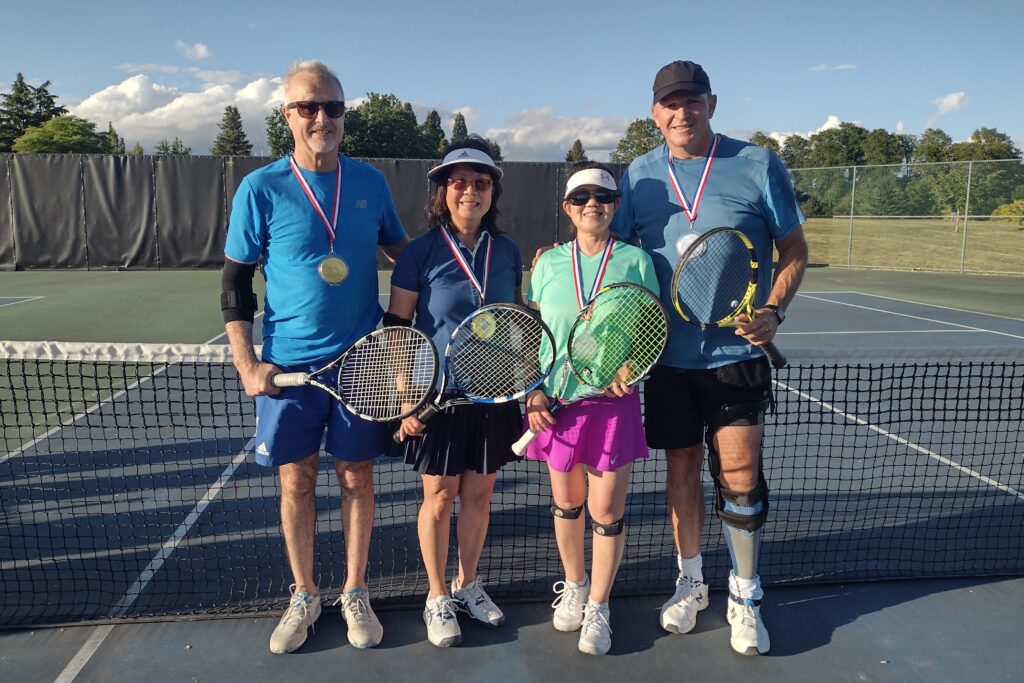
437,211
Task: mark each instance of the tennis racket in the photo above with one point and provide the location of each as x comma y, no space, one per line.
618,337
499,353
384,376
716,280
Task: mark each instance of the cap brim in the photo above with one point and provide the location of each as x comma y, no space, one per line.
683,85
470,156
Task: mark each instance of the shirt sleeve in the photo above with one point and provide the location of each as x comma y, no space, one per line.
246,230
517,260
408,271
391,230
622,223
784,214
649,278
536,280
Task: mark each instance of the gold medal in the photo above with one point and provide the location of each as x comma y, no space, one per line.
333,270
483,326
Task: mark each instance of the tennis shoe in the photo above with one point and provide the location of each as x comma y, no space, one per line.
679,614
291,631
572,597
478,603
749,636
442,624
364,629
596,632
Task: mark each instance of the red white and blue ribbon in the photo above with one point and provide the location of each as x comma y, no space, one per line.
465,265
331,226
577,272
691,213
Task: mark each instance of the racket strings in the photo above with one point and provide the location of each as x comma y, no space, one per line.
501,352
714,281
393,371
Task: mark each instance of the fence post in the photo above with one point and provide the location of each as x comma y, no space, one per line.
849,240
967,215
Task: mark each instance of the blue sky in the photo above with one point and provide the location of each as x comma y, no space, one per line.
532,75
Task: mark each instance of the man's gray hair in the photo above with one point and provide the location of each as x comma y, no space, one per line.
315,67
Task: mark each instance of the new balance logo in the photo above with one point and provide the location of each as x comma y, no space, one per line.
360,203
262,449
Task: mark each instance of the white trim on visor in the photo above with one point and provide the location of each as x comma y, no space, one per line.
590,176
466,155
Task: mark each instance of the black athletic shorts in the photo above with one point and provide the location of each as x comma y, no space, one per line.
679,403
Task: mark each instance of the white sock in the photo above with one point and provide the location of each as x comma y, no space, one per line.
745,588
579,584
692,567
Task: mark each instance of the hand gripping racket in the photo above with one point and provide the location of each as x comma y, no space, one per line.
384,376
716,280
499,353
618,337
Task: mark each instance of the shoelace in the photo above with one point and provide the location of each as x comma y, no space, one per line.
445,611
568,595
748,618
357,605
686,588
475,594
593,618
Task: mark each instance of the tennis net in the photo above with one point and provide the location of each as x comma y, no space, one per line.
129,490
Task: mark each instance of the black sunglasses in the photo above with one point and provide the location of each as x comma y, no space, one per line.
581,197
334,109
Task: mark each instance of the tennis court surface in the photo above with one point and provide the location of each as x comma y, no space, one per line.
130,496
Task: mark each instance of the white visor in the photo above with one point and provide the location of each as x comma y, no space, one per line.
590,176
466,155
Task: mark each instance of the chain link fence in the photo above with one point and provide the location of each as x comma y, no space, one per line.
965,216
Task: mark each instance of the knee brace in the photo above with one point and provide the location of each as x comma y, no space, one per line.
566,513
744,511
613,529
746,414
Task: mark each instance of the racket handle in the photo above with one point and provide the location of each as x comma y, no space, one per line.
424,416
290,379
775,357
519,447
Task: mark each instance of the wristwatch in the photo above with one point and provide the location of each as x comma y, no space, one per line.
779,311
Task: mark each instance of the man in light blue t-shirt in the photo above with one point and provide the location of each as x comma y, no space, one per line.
314,220
713,385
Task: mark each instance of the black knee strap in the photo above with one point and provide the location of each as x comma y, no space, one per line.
740,414
726,498
613,529
566,513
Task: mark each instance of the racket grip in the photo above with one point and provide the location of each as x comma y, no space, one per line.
775,357
290,379
423,416
519,447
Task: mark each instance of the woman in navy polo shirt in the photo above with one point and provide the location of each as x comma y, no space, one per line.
461,263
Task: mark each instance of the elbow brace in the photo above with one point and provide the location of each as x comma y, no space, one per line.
237,300
392,320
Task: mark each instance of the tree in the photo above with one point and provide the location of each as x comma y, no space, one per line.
576,153
62,135
176,148
381,127
795,151
762,140
985,143
495,150
933,145
231,140
115,143
641,137
136,150
279,135
882,147
459,129
23,108
841,146
432,140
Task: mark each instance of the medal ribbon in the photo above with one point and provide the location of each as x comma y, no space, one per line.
464,264
692,213
577,271
331,226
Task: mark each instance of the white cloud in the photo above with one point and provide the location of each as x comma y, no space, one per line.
832,121
195,53
844,67
540,135
946,104
819,68
899,127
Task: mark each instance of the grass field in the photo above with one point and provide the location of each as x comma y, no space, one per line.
917,244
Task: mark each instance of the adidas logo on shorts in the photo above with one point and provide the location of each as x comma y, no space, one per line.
262,450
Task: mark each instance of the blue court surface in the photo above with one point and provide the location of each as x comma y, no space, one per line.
938,629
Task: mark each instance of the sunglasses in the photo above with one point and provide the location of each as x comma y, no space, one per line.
460,184
581,197
308,110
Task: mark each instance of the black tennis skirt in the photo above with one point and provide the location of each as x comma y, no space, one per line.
475,437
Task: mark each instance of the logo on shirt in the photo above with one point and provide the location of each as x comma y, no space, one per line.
360,203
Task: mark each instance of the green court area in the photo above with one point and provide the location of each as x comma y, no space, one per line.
184,306
992,246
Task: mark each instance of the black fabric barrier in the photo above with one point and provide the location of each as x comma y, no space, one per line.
8,258
47,209
120,212
191,211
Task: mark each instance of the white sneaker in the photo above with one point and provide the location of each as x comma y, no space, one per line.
749,636
679,614
364,629
572,597
291,631
442,625
479,604
596,632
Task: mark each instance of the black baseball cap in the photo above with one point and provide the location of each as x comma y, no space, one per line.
680,75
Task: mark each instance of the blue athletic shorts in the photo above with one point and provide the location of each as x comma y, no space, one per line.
290,426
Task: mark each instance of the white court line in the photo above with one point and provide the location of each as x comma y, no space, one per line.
84,654
916,303
797,334
22,301
916,317
905,442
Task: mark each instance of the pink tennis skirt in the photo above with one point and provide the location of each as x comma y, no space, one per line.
603,433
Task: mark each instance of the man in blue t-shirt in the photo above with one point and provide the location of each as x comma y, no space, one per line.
712,385
314,220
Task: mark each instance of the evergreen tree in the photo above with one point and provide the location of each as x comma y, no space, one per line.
762,140
576,153
279,136
495,150
115,143
432,140
23,108
382,127
231,140
62,135
459,129
641,137
136,150
175,148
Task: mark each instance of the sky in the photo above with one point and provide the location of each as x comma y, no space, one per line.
532,75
